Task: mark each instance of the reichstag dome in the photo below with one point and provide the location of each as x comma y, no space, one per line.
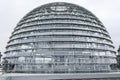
60,38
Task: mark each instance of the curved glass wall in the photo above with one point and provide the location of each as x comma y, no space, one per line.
60,37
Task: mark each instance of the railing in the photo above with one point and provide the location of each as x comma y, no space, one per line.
53,68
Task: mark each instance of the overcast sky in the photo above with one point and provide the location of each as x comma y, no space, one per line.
11,11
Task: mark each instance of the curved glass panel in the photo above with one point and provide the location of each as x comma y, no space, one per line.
59,38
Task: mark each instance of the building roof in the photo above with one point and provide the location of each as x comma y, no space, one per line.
63,36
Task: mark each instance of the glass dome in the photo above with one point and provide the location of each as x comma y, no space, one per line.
60,37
